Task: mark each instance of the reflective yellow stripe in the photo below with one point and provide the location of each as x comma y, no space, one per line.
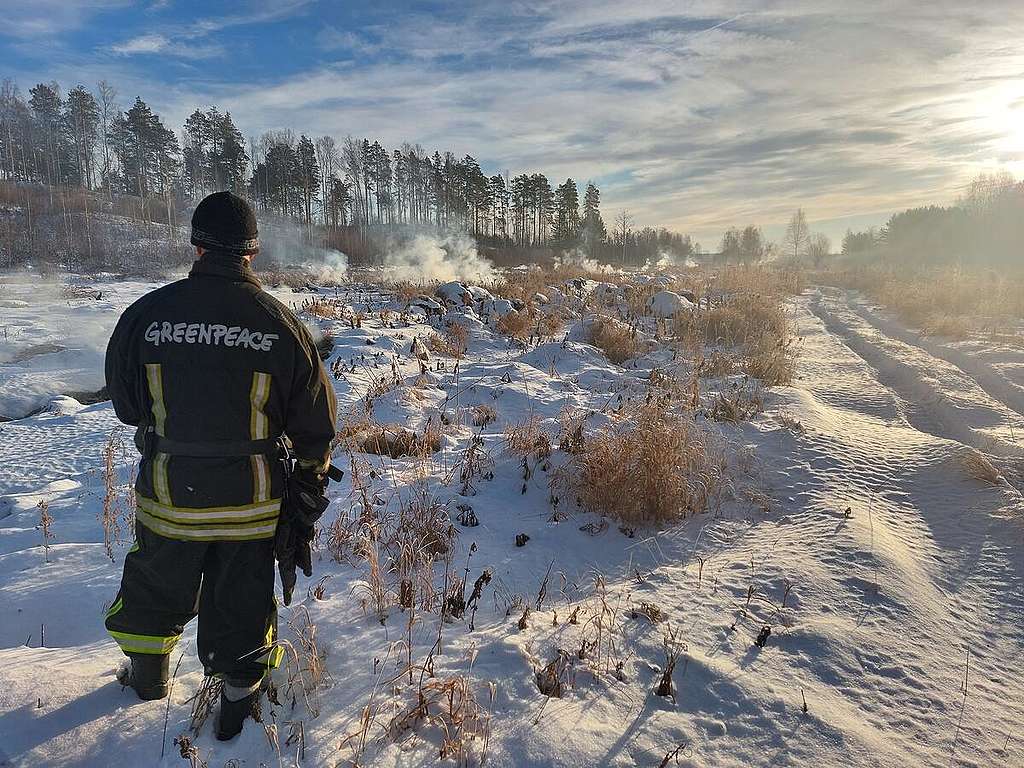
154,377
210,515
259,424
272,658
145,643
181,533
253,522
161,485
260,478
259,429
114,608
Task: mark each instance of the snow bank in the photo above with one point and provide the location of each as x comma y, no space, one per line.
849,531
666,304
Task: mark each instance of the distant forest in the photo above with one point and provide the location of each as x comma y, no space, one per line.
984,227
69,161
86,184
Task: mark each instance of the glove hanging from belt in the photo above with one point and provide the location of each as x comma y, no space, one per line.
302,505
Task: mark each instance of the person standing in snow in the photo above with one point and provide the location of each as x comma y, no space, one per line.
213,371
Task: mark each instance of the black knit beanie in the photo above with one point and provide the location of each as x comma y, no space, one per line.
225,222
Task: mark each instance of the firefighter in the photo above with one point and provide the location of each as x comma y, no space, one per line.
212,371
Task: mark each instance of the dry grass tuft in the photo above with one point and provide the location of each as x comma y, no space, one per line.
617,340
770,359
755,325
423,528
978,467
572,421
305,664
742,317
45,521
718,365
452,341
955,327
324,308
740,403
117,514
204,701
526,437
448,708
395,441
945,301
518,325
651,469
482,415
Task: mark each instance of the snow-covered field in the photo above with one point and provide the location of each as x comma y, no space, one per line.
891,578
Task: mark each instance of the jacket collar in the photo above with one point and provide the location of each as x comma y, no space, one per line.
229,266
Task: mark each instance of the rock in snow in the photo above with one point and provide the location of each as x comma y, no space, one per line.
497,308
478,293
455,293
667,304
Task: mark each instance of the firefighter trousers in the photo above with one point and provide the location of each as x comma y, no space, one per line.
229,584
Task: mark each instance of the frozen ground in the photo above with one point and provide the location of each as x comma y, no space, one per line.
888,574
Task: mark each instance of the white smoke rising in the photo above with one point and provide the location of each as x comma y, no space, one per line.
667,260
284,245
580,260
331,268
443,257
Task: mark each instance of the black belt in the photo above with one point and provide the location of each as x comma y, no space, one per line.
213,449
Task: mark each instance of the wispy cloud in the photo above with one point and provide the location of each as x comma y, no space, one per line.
697,115
142,44
188,40
35,19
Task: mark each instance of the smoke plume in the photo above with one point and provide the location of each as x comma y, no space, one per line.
444,257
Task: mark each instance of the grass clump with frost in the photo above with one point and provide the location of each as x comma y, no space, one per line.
616,339
654,468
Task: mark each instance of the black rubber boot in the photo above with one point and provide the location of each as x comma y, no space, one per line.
233,714
147,674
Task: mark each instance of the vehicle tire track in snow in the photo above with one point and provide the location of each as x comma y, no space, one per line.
995,385
934,395
947,564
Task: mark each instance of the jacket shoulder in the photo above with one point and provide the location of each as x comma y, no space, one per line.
142,305
283,315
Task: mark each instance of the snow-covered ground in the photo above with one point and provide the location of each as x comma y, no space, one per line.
888,575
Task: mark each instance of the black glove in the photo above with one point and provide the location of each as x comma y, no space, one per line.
307,492
303,504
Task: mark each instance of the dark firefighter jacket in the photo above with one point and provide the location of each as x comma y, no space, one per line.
212,369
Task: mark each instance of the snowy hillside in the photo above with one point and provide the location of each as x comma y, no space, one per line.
854,594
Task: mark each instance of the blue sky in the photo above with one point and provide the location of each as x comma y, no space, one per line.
695,115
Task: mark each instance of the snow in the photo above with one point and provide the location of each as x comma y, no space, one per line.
455,293
496,308
666,304
873,611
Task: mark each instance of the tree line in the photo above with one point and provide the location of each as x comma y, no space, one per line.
343,192
799,244
985,226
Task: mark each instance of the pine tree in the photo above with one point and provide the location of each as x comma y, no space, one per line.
751,245
147,151
81,124
228,157
730,248
567,212
46,149
308,176
594,232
